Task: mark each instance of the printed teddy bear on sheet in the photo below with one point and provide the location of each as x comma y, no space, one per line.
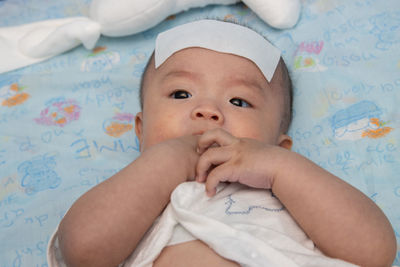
38,174
387,29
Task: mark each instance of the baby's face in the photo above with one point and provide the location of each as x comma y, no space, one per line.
197,89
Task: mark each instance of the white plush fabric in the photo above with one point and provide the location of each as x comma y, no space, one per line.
129,17
27,44
280,14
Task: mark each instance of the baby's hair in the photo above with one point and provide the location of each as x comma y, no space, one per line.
285,82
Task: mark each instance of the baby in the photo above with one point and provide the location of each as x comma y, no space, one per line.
216,183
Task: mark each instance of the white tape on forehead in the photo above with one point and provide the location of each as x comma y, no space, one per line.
222,37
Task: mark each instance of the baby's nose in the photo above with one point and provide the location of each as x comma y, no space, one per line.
208,113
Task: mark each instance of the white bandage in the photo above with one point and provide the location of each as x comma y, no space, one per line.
222,37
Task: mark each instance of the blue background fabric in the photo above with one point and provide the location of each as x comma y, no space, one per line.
66,124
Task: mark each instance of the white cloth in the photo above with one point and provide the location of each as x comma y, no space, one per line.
27,44
248,226
31,43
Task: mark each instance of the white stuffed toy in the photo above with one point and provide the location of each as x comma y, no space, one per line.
27,44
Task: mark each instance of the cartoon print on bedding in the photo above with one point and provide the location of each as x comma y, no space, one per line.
138,59
358,121
118,125
307,56
11,92
59,112
386,27
38,174
100,60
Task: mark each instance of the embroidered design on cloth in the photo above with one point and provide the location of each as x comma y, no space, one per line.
230,209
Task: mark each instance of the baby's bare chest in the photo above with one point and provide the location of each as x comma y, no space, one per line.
193,253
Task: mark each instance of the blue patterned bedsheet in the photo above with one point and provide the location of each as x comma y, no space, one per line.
67,124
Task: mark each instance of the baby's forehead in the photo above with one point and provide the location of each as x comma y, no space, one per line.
186,58
205,62
191,55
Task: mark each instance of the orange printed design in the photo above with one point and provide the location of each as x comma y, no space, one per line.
13,96
378,129
59,112
119,124
116,129
98,50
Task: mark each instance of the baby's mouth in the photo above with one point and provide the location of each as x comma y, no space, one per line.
205,129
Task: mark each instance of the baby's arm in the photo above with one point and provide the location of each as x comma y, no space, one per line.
341,221
104,226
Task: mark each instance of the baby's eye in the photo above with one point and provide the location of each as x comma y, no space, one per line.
240,103
180,94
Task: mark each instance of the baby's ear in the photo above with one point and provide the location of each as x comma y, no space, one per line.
285,141
139,126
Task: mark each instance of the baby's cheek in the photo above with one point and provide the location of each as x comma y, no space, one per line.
154,137
158,133
248,129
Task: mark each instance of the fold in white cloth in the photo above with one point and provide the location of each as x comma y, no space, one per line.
27,44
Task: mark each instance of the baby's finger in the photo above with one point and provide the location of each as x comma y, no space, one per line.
211,157
221,173
218,136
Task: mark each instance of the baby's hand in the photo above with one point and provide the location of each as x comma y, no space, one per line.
225,158
183,151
